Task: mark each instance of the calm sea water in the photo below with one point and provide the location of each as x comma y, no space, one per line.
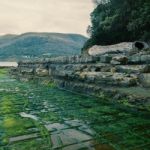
8,64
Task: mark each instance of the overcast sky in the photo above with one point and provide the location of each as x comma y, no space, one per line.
67,16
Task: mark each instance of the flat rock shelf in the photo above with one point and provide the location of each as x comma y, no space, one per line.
36,116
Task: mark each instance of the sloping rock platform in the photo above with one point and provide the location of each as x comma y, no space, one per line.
123,75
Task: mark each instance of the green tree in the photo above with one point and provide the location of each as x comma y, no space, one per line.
115,21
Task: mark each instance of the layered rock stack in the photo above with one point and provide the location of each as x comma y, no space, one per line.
120,71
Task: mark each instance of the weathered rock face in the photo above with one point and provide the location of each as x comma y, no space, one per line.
123,48
42,72
27,71
145,79
117,48
108,73
139,45
120,59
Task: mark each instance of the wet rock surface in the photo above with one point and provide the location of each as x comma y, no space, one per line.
64,120
96,75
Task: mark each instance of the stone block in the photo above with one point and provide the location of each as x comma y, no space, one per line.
145,59
105,58
109,78
120,58
27,70
133,68
42,72
115,62
135,59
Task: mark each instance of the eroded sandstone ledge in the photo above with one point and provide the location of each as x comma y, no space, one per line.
124,77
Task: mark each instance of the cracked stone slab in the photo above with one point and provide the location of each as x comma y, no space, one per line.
69,137
76,134
87,130
56,142
67,140
23,137
60,140
85,146
74,123
56,126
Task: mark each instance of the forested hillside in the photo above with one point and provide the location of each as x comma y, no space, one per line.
32,45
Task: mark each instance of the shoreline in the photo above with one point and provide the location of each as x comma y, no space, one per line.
8,64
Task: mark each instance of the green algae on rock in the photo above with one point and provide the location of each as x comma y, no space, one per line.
65,120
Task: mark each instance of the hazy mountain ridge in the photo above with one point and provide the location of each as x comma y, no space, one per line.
37,44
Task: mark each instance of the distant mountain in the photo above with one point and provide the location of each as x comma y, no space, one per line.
32,45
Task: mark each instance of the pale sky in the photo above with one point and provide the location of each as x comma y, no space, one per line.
64,16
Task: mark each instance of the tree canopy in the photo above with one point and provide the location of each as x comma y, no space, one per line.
115,21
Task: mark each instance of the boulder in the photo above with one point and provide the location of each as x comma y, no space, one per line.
123,48
116,49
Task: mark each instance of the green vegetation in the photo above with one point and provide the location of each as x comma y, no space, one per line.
3,72
32,45
115,21
48,83
114,127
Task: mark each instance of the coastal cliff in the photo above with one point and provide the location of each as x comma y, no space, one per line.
121,76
